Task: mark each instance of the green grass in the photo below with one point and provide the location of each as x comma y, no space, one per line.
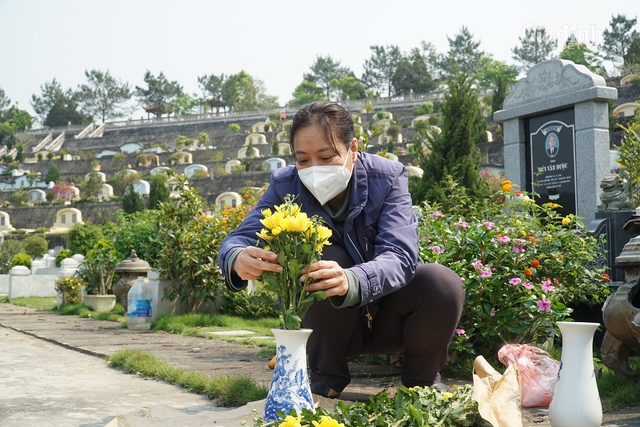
617,393
39,303
224,390
84,312
202,325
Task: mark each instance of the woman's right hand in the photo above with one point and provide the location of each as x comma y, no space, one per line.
252,261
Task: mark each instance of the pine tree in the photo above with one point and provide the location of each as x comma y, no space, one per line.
132,202
453,151
159,192
53,175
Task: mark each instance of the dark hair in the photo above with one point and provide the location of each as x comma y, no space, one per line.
333,120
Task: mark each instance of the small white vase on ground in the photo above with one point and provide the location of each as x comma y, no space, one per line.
576,401
290,385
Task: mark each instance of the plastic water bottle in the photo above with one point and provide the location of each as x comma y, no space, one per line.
139,306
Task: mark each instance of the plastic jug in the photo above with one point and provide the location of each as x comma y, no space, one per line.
139,306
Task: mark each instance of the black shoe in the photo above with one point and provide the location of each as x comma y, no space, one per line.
321,389
442,387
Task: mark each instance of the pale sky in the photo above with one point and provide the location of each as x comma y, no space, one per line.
274,41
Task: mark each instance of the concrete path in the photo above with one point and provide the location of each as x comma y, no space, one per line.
54,373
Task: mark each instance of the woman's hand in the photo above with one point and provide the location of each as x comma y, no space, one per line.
252,261
327,276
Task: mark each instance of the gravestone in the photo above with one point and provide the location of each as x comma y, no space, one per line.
556,135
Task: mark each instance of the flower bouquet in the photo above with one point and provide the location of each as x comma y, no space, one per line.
298,241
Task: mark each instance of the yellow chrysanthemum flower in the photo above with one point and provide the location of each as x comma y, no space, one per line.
566,221
272,221
324,233
264,234
327,422
506,185
296,224
298,240
288,210
289,421
447,395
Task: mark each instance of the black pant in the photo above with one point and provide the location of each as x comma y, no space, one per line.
420,319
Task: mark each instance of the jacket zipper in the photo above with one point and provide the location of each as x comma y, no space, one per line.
366,306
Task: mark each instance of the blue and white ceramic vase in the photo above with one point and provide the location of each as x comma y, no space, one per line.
576,401
290,385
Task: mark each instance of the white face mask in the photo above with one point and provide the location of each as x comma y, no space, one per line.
326,182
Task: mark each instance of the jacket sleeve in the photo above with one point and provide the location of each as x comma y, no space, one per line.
391,263
243,236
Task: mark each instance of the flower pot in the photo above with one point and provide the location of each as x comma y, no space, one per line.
99,302
290,385
576,401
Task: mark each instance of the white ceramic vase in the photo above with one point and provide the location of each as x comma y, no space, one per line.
290,385
576,401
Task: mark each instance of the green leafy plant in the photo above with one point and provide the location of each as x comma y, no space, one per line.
62,254
36,246
98,268
298,240
416,406
10,248
82,237
629,159
137,231
21,259
522,265
234,127
70,288
423,109
189,241
132,202
258,305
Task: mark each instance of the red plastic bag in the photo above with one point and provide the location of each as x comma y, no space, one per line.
537,370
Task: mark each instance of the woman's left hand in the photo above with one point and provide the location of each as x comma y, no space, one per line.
327,276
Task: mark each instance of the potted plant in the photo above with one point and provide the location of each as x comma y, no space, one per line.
97,273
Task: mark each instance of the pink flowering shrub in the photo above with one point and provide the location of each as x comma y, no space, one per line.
523,266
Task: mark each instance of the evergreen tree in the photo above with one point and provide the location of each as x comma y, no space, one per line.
380,68
323,71
411,74
579,53
158,192
92,185
132,202
158,93
453,151
499,77
103,96
619,37
537,45
53,175
465,51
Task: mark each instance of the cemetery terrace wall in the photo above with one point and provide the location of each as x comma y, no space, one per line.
33,217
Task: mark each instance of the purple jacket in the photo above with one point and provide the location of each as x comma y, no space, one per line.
380,233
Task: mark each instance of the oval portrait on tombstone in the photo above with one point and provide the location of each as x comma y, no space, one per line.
552,144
